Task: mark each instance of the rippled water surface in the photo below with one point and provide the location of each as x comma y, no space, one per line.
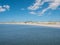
28,35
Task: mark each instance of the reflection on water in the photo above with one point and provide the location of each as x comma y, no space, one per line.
28,35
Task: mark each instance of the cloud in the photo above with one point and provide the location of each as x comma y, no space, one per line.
53,5
35,6
32,12
4,8
43,11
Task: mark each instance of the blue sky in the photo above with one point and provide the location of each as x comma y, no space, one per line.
29,10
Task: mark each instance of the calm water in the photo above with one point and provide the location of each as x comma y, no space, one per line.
28,35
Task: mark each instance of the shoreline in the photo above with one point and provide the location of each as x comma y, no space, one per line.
34,24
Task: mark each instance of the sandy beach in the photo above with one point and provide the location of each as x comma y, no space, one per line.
46,25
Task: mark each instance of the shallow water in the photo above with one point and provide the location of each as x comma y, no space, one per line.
28,35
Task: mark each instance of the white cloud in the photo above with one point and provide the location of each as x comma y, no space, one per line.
35,6
53,4
32,12
4,8
43,11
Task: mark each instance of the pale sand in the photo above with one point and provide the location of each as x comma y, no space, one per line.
45,25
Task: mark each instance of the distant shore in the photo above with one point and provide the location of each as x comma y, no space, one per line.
37,24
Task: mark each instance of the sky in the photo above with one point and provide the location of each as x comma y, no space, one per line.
29,10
